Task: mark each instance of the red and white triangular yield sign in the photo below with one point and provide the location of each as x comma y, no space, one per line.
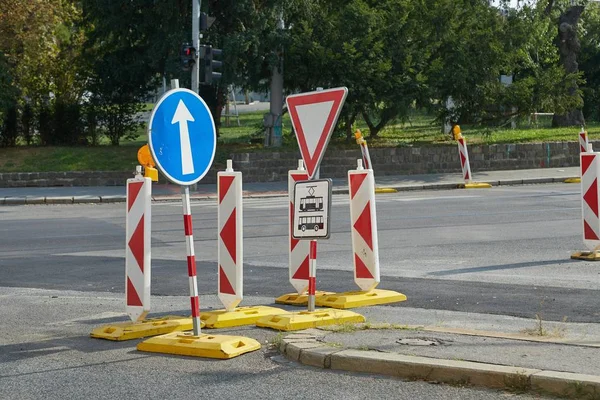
314,115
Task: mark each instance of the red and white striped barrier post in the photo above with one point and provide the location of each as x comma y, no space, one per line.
463,153
464,159
230,237
137,245
364,149
299,249
590,171
312,276
583,141
364,227
191,258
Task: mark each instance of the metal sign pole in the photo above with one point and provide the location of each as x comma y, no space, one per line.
312,275
191,258
196,43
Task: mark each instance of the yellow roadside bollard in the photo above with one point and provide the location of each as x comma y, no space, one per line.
145,159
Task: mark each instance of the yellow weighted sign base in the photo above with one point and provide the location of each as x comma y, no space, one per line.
385,190
145,328
474,185
586,255
309,319
208,346
360,299
573,180
238,317
295,299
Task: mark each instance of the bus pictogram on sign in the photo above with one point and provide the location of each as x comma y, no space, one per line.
315,223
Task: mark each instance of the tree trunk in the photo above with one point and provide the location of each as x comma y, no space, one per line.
569,46
350,118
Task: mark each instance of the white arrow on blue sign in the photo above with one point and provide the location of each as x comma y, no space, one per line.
182,136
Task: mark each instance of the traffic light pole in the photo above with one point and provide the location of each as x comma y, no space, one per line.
276,103
196,43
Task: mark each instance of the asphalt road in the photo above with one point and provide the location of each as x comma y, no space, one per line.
503,251
498,252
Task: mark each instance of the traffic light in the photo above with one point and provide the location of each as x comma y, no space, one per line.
208,53
188,56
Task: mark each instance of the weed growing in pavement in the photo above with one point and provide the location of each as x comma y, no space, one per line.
579,390
540,330
275,341
518,383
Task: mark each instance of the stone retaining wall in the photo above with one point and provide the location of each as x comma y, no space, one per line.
273,166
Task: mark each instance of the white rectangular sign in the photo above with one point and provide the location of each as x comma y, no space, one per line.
312,202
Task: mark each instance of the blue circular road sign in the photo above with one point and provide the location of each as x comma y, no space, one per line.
182,136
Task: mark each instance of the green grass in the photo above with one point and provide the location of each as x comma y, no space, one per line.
418,130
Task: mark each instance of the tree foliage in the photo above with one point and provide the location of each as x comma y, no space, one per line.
84,66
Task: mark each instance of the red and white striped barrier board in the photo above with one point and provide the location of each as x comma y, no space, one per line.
137,245
583,141
464,159
230,250
590,171
299,249
191,258
364,227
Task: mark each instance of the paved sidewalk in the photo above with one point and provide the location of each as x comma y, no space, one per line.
108,194
560,362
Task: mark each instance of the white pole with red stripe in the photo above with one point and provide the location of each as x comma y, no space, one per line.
230,237
312,275
583,141
464,159
364,227
299,249
191,258
137,245
590,171
364,149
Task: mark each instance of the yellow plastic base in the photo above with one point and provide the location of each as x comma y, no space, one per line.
360,299
306,319
385,190
573,180
238,317
148,327
295,299
209,346
586,255
474,185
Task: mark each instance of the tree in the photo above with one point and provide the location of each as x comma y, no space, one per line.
589,60
41,41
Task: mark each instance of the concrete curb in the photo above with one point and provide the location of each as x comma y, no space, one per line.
9,200
308,348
